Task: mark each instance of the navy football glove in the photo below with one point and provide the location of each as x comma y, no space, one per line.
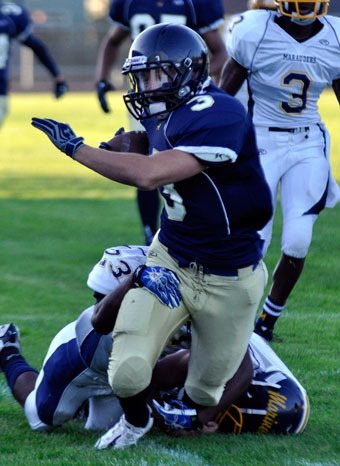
60,88
161,282
61,135
102,88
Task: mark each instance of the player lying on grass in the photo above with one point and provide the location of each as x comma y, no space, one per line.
75,371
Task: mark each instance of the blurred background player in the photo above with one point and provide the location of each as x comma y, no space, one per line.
288,58
131,17
15,23
75,370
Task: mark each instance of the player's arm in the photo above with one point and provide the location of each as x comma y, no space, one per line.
105,312
107,56
218,52
108,51
43,54
171,371
146,173
133,169
233,76
336,88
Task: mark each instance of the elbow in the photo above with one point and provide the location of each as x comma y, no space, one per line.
148,182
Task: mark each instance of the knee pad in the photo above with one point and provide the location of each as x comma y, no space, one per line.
130,376
204,395
32,416
297,236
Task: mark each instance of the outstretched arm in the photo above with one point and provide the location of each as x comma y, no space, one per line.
233,76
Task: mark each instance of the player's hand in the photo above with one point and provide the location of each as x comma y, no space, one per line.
103,86
161,282
60,88
60,134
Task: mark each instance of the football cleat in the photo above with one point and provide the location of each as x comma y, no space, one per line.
9,336
177,415
122,435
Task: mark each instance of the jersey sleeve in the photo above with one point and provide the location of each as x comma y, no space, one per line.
213,136
118,14
209,15
334,22
244,32
20,18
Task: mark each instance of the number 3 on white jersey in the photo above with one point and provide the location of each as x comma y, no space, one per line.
298,84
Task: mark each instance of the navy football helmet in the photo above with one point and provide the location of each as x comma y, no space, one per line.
273,403
166,66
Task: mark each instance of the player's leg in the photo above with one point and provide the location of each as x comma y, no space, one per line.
303,195
64,383
143,327
20,376
221,330
222,322
104,411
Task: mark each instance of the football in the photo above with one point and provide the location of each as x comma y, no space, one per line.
127,141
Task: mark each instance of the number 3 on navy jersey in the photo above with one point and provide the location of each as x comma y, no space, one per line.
299,84
173,203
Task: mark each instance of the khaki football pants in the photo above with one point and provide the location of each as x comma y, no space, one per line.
222,311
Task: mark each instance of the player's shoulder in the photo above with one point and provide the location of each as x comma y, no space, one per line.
118,10
13,10
207,109
333,22
209,15
250,25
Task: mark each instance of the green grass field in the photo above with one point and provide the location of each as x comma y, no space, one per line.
56,219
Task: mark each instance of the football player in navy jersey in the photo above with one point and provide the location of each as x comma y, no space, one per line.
131,17
15,23
205,162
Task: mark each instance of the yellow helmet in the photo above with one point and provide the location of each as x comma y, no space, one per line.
301,9
261,5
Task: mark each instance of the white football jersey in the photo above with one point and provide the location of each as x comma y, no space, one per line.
286,77
115,266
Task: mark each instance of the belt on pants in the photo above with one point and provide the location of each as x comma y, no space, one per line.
302,129
224,272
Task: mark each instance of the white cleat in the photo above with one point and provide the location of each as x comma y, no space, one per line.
123,434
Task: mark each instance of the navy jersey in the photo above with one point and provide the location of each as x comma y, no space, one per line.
213,218
15,22
137,15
